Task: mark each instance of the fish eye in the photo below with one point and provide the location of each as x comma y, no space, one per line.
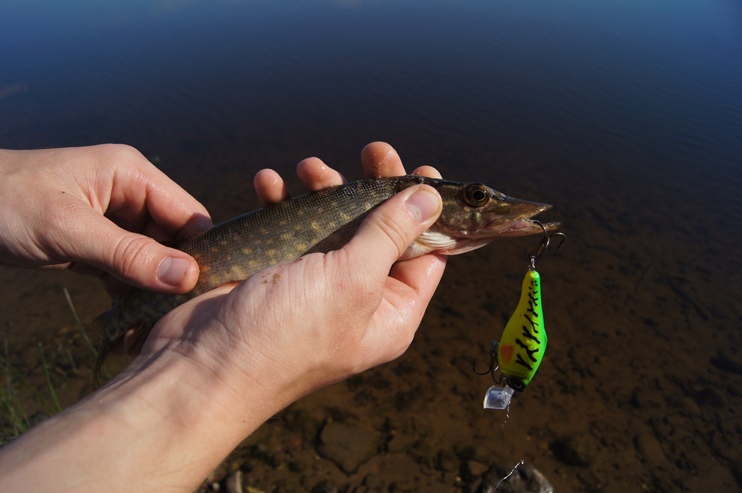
476,195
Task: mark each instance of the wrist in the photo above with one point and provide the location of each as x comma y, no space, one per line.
191,417
161,419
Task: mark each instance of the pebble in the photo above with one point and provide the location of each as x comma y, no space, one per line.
726,363
373,483
402,487
325,486
400,442
649,448
233,483
473,470
579,449
711,397
447,461
524,479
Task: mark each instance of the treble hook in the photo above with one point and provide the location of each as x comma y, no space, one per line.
493,366
544,244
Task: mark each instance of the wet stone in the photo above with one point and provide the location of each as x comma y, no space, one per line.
736,471
709,397
422,452
476,453
590,480
347,446
473,470
725,363
400,442
447,461
734,390
402,487
579,449
285,486
645,400
524,479
325,486
649,448
372,483
233,483
303,423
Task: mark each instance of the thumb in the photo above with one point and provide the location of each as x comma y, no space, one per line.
136,259
385,235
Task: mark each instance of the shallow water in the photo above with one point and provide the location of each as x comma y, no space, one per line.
627,116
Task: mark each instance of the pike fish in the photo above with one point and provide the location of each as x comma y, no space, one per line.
473,215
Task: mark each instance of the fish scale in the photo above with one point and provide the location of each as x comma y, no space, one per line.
472,216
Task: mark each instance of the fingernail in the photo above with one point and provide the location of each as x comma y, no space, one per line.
423,204
195,225
173,270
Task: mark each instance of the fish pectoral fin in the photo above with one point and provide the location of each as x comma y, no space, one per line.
429,241
435,240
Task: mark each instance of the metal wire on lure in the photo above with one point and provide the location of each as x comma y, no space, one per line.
521,348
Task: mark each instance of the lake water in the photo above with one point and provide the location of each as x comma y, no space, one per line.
626,115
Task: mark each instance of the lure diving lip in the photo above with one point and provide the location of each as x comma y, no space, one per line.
498,397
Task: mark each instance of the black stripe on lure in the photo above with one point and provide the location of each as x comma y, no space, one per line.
521,348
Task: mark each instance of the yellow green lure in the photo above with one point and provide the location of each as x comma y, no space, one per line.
523,343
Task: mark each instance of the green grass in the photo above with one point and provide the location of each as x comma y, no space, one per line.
14,384
25,402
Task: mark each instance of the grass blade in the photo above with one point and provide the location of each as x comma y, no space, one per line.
80,325
48,378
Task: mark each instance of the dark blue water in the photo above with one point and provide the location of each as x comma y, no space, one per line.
627,115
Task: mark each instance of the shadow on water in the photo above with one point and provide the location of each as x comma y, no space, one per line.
626,116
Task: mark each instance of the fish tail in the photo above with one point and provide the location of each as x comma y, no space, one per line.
136,337
103,352
139,337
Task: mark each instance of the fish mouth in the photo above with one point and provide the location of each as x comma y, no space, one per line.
515,218
526,227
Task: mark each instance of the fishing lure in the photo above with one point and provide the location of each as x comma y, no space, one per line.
521,349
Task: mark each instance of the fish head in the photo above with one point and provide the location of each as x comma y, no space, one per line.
473,215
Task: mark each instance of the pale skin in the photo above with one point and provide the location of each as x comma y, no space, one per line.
216,368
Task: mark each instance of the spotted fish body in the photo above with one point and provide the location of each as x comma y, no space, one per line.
524,340
472,216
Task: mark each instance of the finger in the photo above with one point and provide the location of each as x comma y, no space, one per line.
392,227
141,194
428,171
89,238
270,187
380,159
421,274
316,175
407,293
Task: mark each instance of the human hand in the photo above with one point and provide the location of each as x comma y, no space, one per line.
337,313
217,367
83,208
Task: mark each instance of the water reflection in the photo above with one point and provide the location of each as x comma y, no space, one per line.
626,115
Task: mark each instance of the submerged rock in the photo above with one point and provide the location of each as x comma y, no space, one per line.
523,479
233,483
649,448
325,486
473,470
447,461
347,446
373,483
726,363
710,397
579,449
